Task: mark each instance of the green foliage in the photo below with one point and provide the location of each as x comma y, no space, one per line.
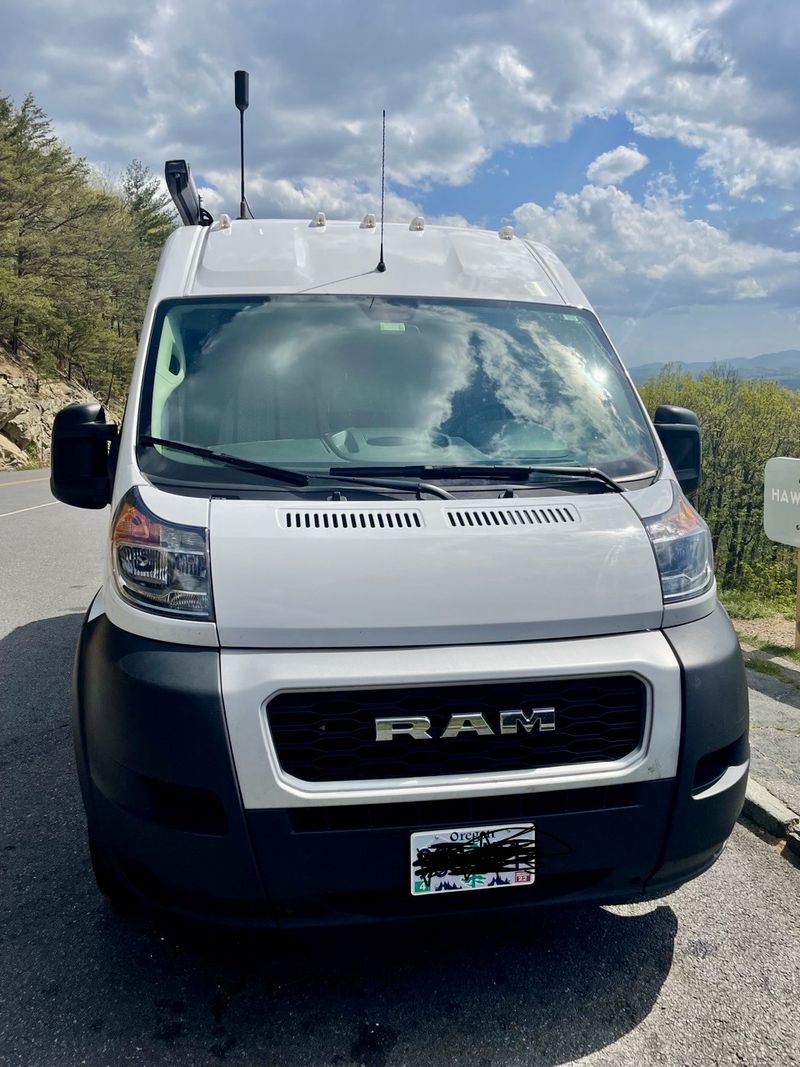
743,604
744,424
149,206
771,649
76,260
765,666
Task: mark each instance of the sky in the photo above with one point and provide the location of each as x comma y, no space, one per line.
653,144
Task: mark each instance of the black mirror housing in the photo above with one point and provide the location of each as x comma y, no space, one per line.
80,462
679,431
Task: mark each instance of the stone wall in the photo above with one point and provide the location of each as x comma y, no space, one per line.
27,412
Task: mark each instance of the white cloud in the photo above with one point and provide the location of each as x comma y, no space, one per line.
639,259
282,198
459,81
741,160
615,166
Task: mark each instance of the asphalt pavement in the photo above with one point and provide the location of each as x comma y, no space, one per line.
775,733
710,975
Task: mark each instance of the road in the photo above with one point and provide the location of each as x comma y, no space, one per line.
775,735
708,976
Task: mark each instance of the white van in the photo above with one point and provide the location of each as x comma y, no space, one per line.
404,602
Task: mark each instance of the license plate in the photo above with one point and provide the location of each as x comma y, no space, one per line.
477,857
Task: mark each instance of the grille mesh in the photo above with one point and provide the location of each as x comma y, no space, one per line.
330,735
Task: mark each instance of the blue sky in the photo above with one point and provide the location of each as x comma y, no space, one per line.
513,175
519,173
652,143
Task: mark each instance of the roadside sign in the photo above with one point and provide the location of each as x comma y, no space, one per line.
782,501
782,513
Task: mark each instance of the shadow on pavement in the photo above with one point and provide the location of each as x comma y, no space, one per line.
780,686
81,984
35,670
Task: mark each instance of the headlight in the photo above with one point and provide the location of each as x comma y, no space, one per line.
159,565
682,545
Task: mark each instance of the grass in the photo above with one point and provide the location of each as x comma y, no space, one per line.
771,649
745,605
766,666
34,459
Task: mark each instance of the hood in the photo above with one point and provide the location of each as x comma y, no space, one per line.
388,574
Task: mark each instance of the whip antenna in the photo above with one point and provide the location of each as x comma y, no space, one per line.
381,265
241,80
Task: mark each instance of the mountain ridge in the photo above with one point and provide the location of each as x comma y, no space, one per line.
782,367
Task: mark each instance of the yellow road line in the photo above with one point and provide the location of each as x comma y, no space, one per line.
22,481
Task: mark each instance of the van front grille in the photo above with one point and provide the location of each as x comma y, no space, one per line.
330,736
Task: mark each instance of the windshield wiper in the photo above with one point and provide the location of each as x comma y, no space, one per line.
293,477
493,472
280,474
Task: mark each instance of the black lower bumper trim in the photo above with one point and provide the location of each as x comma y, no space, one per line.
163,803
155,766
715,732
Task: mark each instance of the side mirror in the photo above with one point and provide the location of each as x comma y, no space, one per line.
679,430
80,463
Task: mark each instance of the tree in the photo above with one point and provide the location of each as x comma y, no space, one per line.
150,207
744,423
76,260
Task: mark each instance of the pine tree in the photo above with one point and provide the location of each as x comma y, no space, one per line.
76,260
150,207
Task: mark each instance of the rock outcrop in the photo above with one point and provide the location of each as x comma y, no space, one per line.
27,410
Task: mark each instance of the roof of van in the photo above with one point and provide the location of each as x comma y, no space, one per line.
292,256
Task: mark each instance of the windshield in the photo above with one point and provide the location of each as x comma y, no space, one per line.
314,382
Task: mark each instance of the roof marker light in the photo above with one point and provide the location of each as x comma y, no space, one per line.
224,222
417,224
368,222
506,233
319,219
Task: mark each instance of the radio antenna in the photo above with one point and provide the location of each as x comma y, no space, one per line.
241,81
381,265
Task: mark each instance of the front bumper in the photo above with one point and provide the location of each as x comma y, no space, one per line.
164,803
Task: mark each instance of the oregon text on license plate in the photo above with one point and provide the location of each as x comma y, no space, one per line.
475,857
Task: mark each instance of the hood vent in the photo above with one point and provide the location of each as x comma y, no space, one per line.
336,519
496,518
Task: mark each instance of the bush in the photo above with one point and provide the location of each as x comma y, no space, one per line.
744,424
